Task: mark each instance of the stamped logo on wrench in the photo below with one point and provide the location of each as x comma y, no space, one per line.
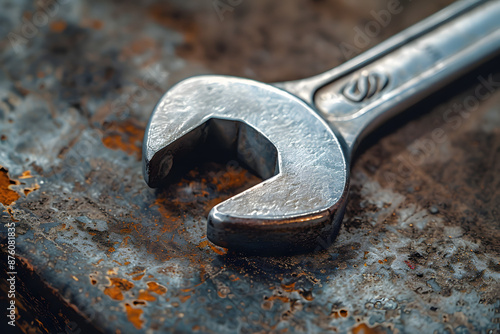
365,86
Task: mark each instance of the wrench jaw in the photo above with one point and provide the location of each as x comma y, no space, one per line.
275,237
216,139
299,207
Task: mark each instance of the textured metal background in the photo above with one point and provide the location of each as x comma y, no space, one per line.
97,249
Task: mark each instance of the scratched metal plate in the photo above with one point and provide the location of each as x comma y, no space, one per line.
97,249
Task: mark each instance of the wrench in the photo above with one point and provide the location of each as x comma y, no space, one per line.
300,136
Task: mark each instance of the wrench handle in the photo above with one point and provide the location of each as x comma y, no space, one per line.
357,96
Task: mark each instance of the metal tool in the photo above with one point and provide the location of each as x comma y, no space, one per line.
300,136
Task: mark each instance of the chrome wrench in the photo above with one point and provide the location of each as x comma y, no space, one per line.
300,136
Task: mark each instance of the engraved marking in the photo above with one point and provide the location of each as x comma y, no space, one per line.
365,86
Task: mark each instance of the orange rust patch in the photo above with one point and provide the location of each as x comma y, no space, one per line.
215,249
29,190
122,283
231,179
134,316
282,298
171,222
7,195
117,286
146,296
126,136
364,329
307,295
11,214
135,272
138,277
183,299
114,293
58,26
26,175
211,203
343,313
289,287
156,288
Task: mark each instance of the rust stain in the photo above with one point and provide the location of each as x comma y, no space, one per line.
11,214
364,329
233,178
138,274
288,287
275,297
7,195
215,249
342,313
126,136
156,288
29,190
118,285
134,316
58,26
138,277
307,295
234,278
183,299
114,293
146,296
26,175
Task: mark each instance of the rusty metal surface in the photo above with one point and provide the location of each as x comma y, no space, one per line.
419,249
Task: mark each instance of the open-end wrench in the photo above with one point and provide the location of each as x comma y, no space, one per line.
300,136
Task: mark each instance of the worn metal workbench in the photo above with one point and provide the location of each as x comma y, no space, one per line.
97,249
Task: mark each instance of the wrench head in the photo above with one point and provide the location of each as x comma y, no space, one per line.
299,205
